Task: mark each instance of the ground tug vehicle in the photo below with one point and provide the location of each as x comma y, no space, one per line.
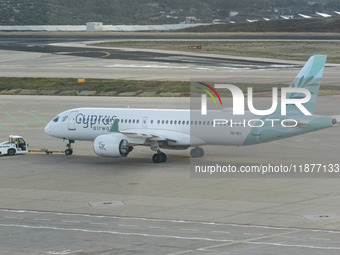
15,145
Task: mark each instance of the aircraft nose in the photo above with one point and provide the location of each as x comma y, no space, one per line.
48,128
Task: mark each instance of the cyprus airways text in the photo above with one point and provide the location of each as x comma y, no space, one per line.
93,121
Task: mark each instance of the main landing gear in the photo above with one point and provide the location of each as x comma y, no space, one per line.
69,150
197,152
159,157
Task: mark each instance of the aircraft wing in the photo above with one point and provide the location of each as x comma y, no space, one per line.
140,135
173,138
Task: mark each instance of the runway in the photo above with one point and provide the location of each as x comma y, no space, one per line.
78,46
85,204
70,57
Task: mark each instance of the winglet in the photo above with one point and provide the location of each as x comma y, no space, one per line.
115,126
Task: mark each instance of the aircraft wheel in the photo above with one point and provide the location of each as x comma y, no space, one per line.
163,157
197,152
156,158
159,157
201,152
68,152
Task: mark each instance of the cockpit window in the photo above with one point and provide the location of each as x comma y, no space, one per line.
56,119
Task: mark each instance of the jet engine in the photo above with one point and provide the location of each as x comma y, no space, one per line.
112,145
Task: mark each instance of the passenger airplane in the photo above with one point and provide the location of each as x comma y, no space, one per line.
116,131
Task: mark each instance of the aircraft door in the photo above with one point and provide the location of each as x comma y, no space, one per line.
72,120
145,122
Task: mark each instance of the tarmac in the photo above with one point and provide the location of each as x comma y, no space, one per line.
85,204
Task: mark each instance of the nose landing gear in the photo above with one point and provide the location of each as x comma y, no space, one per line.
69,150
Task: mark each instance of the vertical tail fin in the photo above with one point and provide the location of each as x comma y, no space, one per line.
309,78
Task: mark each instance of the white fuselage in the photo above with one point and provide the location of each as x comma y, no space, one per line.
181,127
88,123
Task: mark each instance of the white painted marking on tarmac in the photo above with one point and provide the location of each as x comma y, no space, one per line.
126,225
221,232
323,239
98,223
289,237
297,245
252,234
116,233
66,252
204,69
189,229
42,219
14,218
153,227
146,66
326,231
164,220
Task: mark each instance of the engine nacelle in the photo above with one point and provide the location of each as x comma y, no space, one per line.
112,145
